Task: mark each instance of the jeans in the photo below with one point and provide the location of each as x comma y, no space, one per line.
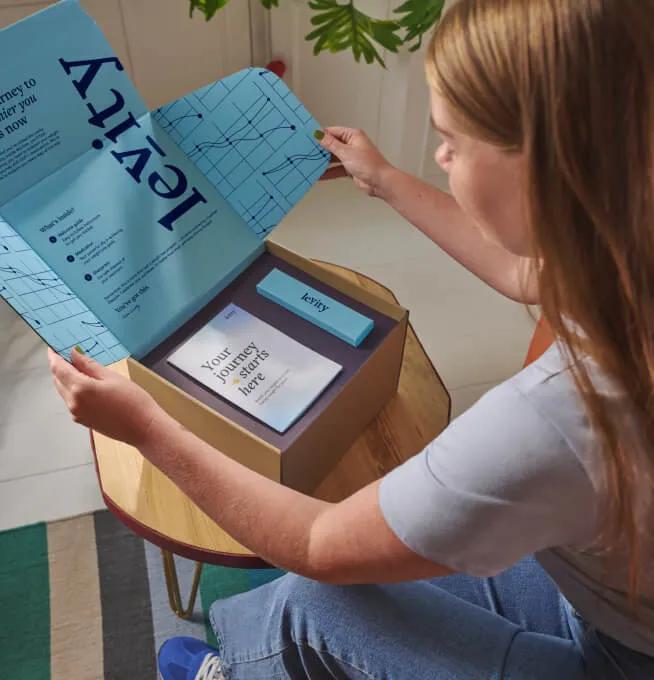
514,626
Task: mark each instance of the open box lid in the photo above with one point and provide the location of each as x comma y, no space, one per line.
116,224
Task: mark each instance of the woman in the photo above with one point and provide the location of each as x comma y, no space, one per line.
546,109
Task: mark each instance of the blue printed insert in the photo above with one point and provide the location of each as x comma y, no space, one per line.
118,225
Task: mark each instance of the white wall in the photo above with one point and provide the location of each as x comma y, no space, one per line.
166,53
390,105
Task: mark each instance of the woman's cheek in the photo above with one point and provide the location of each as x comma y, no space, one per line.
455,188
475,201
465,194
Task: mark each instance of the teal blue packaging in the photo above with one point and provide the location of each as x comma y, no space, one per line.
117,225
316,307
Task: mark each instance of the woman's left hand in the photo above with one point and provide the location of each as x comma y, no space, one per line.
99,398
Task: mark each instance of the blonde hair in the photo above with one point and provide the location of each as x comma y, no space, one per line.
570,84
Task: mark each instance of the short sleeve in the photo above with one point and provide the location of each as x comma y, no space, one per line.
501,482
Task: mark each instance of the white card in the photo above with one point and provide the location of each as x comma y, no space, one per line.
255,366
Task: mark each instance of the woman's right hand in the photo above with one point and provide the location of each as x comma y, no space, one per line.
361,159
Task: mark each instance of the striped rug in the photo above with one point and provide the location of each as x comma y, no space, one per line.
85,599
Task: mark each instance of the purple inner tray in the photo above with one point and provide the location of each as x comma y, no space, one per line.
242,292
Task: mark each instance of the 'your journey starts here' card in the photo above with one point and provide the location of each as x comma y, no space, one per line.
118,224
255,366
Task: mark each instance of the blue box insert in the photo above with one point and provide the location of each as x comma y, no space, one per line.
316,307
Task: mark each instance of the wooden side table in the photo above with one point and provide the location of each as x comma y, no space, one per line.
147,502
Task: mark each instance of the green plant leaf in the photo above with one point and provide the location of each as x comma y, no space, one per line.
419,17
210,7
342,26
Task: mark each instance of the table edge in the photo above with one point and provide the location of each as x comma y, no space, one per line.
224,559
409,327
191,552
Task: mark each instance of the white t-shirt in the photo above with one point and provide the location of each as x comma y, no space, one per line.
517,474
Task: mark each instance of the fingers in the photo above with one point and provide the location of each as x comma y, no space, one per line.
67,375
335,172
86,365
65,395
59,367
72,384
59,387
343,134
332,144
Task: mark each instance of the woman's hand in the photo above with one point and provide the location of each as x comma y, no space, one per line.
99,398
361,159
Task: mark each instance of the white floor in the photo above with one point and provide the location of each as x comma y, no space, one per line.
474,337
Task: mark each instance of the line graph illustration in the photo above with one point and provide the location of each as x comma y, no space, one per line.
290,162
171,125
37,294
253,140
199,148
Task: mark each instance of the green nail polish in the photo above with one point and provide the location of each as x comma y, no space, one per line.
318,134
79,349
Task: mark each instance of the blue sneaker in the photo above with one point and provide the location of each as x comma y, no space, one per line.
185,658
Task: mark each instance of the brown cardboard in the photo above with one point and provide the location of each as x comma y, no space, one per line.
304,455
218,431
309,460
242,291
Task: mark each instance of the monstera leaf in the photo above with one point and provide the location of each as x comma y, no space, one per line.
208,7
339,25
419,17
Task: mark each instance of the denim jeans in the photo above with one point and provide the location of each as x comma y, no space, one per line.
515,626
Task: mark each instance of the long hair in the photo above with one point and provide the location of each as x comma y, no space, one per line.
570,84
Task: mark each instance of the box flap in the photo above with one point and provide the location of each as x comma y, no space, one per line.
48,306
253,139
132,219
47,63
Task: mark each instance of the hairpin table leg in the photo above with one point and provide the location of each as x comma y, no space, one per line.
172,584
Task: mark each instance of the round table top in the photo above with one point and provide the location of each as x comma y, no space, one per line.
145,500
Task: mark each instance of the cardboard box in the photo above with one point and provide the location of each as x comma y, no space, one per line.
120,223
301,457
